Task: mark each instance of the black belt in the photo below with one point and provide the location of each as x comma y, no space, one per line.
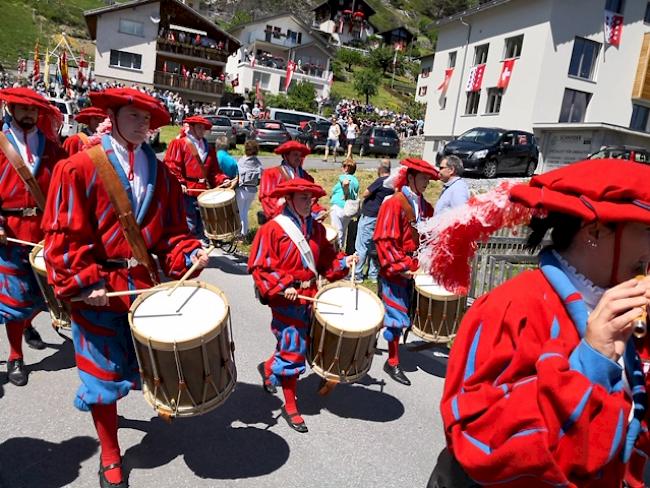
196,180
119,263
25,212
303,285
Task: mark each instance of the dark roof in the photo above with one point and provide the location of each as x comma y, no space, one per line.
466,13
388,31
91,16
366,4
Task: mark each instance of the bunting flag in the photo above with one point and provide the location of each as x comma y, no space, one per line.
613,28
291,67
46,70
506,73
37,62
63,69
475,80
445,83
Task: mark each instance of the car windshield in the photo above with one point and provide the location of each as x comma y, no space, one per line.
232,113
270,125
222,121
388,133
482,136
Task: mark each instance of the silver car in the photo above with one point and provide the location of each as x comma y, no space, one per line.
221,126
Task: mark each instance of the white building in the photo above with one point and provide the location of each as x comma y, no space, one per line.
163,44
347,22
268,44
572,89
425,80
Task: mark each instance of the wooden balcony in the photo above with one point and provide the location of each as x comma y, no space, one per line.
641,87
190,51
200,89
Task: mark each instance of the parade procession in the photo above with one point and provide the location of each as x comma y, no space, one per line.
192,296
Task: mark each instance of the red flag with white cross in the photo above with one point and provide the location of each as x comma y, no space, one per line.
506,73
445,84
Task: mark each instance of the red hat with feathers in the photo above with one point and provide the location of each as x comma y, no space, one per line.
50,118
292,146
297,185
115,98
197,119
84,115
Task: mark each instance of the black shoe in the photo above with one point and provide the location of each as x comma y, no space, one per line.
298,427
266,384
33,338
397,374
16,372
104,483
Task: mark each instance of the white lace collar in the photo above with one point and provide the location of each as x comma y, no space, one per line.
591,294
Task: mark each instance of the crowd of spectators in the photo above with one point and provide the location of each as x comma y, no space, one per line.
404,125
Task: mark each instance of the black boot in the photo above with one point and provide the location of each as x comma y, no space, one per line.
16,372
33,338
104,483
397,374
266,383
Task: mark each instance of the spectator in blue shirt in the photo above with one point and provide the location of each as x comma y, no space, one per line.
227,163
364,245
454,189
346,188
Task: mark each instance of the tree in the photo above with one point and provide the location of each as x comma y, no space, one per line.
366,83
302,96
414,109
382,58
348,57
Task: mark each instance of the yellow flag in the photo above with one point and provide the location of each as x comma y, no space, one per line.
46,71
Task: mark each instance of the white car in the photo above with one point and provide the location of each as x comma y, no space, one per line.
69,109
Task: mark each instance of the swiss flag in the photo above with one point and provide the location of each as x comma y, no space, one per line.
506,73
291,67
475,80
613,28
445,84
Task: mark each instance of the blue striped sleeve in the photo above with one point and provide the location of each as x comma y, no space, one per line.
597,367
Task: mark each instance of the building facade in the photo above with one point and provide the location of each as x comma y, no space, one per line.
424,83
547,67
347,22
267,47
163,44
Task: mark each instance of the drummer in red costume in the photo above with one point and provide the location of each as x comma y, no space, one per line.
195,165
293,155
281,272
91,117
546,385
397,240
29,132
88,255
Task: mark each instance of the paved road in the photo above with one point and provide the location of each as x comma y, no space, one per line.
376,433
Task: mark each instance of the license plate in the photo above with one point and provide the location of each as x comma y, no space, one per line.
385,143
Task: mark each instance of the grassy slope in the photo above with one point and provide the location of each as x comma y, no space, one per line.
385,98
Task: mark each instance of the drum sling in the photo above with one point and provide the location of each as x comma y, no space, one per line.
23,171
295,234
84,138
122,206
195,154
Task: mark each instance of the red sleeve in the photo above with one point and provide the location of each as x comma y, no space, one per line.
514,410
265,264
174,159
270,179
388,237
72,145
331,264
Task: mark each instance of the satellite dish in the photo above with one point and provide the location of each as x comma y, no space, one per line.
155,20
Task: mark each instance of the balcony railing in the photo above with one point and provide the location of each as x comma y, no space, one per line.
271,39
179,82
278,64
186,49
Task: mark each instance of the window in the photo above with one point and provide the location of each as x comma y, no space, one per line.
584,58
471,107
425,72
263,78
422,91
646,18
639,118
615,6
277,32
131,27
122,59
513,47
481,54
494,100
452,60
442,103
574,106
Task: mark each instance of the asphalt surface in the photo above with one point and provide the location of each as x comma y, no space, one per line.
375,433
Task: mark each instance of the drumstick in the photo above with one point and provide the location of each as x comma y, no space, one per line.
123,293
195,190
356,288
316,300
24,243
189,272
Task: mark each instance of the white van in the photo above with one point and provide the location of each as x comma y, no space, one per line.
292,119
69,109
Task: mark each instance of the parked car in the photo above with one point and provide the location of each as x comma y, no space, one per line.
221,126
313,134
377,140
492,151
269,133
292,119
69,109
239,121
632,153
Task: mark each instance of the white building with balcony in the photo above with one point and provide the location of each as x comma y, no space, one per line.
568,85
268,44
347,22
424,83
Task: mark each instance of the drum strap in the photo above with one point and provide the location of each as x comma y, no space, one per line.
122,206
83,138
296,235
23,171
410,215
195,155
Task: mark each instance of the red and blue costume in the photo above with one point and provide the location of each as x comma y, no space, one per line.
192,172
527,401
76,142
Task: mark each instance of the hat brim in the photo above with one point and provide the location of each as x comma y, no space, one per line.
114,100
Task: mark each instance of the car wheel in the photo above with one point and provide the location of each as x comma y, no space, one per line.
362,151
530,169
490,169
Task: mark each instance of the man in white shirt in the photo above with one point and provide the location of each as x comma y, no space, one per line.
454,190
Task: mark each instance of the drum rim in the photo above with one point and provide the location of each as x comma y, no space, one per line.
216,205
32,259
348,333
189,343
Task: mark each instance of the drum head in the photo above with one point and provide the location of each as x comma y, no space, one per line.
427,286
353,318
216,197
195,312
36,258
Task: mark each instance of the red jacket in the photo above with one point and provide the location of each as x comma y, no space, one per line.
271,178
516,412
75,143
394,239
14,194
82,231
187,169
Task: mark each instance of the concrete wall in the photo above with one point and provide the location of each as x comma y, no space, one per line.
109,37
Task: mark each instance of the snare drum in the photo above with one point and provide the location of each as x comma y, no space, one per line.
184,348
343,339
437,312
59,311
218,209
